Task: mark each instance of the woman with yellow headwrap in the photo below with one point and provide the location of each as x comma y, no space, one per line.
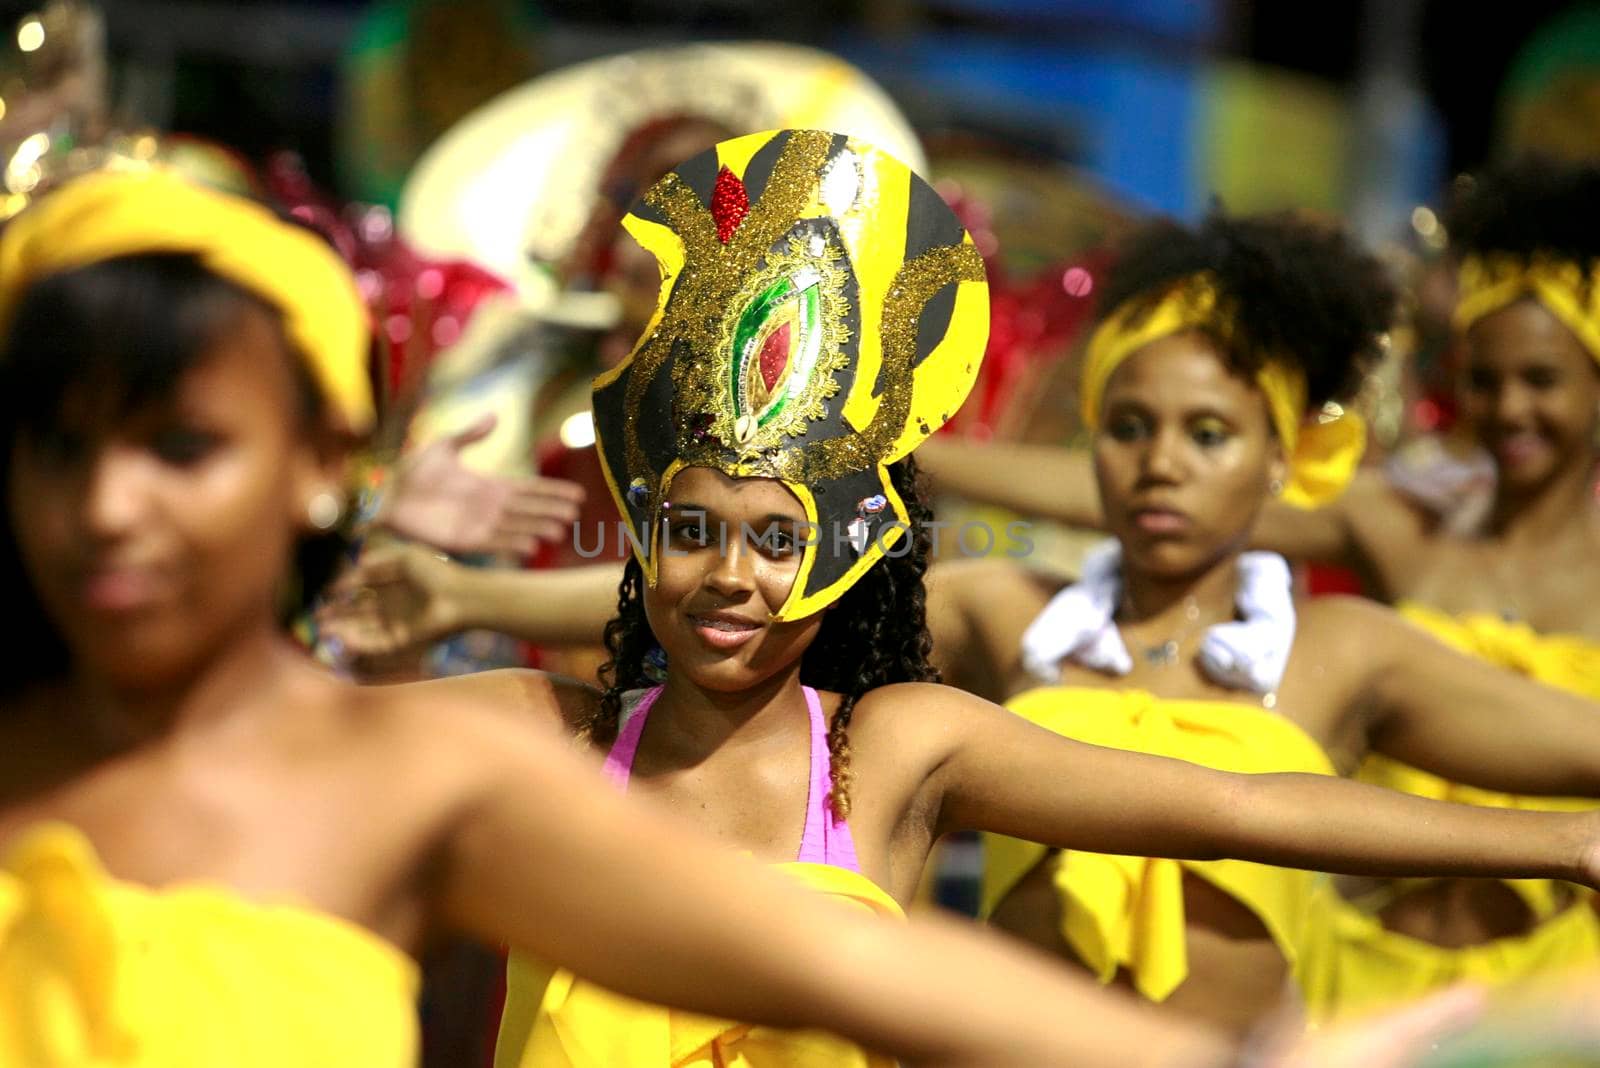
1519,590
1210,386
211,851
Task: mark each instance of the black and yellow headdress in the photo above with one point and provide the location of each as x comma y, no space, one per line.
822,312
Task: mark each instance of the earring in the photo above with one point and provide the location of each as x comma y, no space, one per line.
1275,487
324,511
655,665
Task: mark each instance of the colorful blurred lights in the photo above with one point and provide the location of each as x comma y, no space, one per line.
577,430
30,35
1077,282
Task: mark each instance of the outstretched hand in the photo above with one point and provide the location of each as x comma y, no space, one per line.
393,600
437,500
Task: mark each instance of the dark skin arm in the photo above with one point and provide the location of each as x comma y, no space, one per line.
403,596
1370,522
994,771
1463,718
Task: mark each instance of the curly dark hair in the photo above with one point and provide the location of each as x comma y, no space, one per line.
1530,206
1291,285
874,635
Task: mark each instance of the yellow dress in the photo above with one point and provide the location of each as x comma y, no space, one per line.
1128,912
553,1019
97,973
1361,964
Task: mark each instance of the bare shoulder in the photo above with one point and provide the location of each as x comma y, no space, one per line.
524,694
461,734
1346,627
978,610
1347,619
988,579
909,713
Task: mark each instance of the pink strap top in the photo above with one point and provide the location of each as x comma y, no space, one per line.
825,840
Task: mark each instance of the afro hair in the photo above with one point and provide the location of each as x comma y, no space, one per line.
1293,286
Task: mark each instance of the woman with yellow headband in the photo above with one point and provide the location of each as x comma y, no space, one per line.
1203,385
211,851
1519,591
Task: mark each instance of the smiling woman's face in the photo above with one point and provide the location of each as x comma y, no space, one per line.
152,537
1184,456
1530,393
728,559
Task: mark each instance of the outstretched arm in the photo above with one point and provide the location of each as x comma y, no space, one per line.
1468,720
1057,483
1000,773
548,858
438,500
400,597
1034,480
1369,519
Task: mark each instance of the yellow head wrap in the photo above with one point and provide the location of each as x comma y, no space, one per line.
1322,455
1562,287
124,213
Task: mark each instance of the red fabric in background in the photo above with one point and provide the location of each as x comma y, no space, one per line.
1323,580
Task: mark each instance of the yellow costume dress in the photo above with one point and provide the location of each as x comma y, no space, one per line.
1128,912
97,973
553,1018
1362,964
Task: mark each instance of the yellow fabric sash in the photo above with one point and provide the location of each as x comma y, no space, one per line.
553,1018
110,214
1128,912
94,971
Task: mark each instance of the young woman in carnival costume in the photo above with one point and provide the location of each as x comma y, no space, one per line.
821,314
1519,592
217,853
1203,385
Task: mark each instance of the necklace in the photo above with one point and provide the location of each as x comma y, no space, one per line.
1166,654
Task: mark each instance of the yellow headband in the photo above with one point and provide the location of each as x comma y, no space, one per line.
107,215
1322,455
1562,287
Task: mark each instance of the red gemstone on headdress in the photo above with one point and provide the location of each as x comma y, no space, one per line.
775,355
729,204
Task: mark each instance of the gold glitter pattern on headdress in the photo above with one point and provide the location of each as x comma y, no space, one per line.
810,269
914,286
813,327
714,273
